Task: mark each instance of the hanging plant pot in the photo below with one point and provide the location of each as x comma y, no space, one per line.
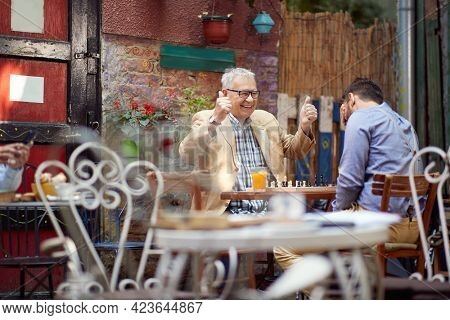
216,28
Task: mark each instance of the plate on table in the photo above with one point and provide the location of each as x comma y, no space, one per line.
205,221
7,196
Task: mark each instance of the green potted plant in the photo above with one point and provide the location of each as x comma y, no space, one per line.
129,121
192,101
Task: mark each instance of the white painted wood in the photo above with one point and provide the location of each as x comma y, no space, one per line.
326,114
27,16
26,88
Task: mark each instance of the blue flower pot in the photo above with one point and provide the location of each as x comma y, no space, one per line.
263,23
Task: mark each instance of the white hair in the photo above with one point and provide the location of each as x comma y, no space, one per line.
231,73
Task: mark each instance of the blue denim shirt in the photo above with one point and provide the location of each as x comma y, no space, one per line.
10,179
372,145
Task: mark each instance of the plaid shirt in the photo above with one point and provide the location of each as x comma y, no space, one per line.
249,155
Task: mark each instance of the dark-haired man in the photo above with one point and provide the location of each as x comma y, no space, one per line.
377,140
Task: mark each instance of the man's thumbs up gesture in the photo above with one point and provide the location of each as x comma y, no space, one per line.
222,108
308,114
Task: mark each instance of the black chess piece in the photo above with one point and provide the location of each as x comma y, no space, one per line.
322,181
315,181
308,183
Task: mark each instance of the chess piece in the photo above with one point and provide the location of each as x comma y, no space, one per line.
298,183
289,184
322,182
284,182
308,183
272,184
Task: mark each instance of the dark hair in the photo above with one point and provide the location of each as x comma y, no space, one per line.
365,89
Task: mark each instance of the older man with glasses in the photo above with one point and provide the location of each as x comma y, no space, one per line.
234,137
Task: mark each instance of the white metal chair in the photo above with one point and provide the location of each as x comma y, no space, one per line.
440,180
111,185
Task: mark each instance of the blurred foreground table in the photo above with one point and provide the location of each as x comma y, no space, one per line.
305,236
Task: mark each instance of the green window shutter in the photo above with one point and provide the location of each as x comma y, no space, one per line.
199,59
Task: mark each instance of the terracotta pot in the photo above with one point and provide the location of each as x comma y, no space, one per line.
216,28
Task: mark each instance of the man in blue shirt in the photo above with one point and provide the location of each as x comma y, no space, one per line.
12,158
377,140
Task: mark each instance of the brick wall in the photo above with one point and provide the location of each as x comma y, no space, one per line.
130,67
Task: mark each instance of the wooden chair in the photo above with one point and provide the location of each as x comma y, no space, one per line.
182,182
388,186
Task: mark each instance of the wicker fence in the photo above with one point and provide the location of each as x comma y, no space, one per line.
320,54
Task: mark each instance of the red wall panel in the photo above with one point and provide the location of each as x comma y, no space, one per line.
39,154
55,20
54,108
9,277
177,21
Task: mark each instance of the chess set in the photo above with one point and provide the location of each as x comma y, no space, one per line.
304,185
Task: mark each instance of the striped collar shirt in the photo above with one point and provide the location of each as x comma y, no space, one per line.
249,155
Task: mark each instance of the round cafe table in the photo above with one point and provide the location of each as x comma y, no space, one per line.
308,236
305,236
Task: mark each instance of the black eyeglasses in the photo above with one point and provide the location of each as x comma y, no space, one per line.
244,94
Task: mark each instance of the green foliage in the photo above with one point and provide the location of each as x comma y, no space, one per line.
192,102
130,115
363,12
129,148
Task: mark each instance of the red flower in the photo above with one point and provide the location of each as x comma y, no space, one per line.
116,104
149,109
134,105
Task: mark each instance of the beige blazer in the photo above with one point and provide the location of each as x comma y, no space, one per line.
217,155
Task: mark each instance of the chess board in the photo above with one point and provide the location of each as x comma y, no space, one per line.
325,189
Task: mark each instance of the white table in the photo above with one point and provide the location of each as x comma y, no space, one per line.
302,236
307,236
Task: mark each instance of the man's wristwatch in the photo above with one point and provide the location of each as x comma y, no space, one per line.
214,122
212,127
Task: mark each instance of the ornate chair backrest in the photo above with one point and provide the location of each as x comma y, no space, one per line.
106,184
440,180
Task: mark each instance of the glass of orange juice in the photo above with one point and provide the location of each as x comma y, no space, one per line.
259,178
